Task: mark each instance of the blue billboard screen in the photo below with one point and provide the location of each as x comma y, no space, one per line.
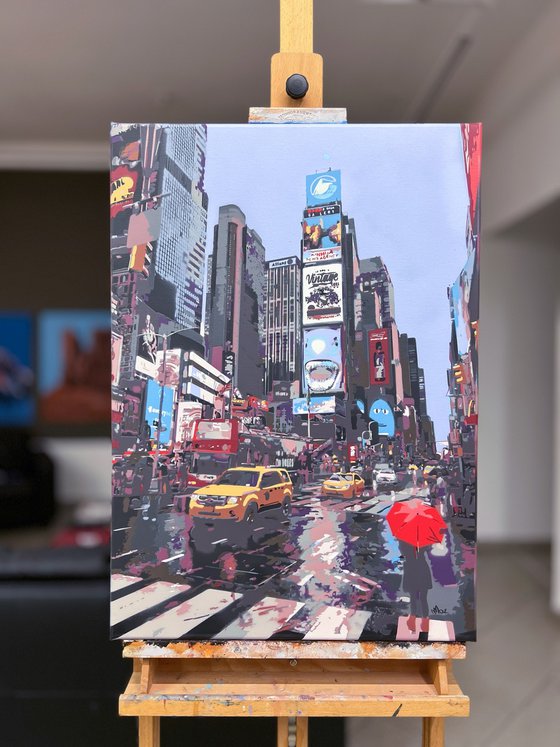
323,188
153,393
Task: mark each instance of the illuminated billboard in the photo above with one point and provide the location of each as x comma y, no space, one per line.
322,294
322,234
460,297
323,188
317,405
379,357
156,402
322,360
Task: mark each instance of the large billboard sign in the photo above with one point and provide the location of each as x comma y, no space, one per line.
323,370
317,405
154,415
147,350
187,414
379,357
322,294
323,188
287,262
322,234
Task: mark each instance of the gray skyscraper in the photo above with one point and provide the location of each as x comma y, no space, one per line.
235,302
282,321
182,241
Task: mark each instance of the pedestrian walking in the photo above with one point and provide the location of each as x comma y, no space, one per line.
417,581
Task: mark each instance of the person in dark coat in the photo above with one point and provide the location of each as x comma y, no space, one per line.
417,580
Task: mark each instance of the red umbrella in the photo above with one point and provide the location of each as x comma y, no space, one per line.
416,522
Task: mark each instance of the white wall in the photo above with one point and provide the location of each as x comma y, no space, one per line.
519,279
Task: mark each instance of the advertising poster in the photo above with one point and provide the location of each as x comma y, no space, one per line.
379,357
116,355
323,188
147,342
317,405
322,360
152,411
187,413
459,297
169,376
123,187
322,234
322,294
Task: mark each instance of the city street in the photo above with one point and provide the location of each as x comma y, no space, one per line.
332,570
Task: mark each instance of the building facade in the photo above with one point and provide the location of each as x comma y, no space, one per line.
282,320
235,302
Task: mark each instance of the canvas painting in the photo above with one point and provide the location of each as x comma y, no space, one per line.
17,376
74,365
294,381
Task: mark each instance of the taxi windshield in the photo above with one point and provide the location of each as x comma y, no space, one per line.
242,478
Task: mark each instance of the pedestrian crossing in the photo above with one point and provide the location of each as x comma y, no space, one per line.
161,610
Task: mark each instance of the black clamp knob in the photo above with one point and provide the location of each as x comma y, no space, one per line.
297,86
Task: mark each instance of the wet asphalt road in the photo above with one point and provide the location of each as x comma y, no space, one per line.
331,553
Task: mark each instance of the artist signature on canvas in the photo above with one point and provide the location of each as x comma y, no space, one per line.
439,611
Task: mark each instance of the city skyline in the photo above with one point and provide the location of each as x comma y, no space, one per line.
413,216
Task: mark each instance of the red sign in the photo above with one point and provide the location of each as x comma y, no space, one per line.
352,452
123,186
379,357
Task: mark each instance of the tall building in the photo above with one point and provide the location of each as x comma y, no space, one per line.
282,319
235,303
179,257
375,276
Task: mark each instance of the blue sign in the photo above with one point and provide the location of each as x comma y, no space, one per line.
152,415
318,405
323,188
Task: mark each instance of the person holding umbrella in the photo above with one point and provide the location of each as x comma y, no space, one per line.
416,526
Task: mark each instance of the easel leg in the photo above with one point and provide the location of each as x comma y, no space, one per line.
282,738
433,734
148,731
302,735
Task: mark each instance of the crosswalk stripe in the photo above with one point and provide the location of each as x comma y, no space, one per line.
184,617
143,599
262,620
120,581
337,624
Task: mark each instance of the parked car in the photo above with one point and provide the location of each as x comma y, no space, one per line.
240,493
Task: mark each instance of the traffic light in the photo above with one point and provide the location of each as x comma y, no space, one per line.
458,373
340,433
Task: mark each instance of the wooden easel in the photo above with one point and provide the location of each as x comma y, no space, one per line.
294,680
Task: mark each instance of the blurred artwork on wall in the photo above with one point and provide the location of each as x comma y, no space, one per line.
74,365
294,381
17,379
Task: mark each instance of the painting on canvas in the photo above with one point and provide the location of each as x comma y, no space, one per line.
294,381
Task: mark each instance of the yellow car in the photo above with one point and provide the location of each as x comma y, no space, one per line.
345,484
240,493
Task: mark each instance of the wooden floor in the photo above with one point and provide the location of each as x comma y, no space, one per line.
512,674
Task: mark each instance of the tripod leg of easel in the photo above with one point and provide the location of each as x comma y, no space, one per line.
282,738
302,734
433,732
148,731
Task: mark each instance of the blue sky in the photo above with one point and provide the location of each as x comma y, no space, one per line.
405,188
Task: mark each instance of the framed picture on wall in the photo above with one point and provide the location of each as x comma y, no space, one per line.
74,364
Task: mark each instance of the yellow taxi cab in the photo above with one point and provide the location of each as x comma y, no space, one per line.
240,493
345,484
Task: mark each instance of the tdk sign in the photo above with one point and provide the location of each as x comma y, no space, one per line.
323,188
